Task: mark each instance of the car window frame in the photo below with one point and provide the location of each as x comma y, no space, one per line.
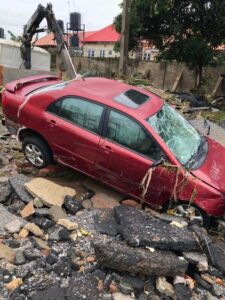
101,123
105,127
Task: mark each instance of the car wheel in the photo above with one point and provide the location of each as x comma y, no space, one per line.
191,212
37,151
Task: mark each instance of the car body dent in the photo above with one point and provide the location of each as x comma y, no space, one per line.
212,170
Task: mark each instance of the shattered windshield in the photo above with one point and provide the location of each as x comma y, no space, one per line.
181,138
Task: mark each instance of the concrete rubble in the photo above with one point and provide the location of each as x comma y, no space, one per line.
48,192
61,239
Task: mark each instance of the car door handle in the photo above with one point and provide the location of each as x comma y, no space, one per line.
52,123
107,149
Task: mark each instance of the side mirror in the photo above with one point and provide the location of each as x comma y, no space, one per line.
158,163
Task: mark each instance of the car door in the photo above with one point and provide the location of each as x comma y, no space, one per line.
73,126
125,155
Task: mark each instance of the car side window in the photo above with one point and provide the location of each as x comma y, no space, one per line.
83,113
130,134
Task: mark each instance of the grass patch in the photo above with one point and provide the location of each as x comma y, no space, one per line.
217,117
136,81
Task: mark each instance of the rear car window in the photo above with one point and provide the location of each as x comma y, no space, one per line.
131,98
58,86
83,113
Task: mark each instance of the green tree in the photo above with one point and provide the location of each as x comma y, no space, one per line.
187,31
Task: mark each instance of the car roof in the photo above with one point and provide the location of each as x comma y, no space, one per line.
105,90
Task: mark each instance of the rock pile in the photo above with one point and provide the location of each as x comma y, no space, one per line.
56,245
63,250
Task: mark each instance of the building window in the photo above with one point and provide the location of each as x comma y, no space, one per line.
102,53
91,52
110,52
147,56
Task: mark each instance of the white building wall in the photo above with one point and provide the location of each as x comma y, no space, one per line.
10,56
100,50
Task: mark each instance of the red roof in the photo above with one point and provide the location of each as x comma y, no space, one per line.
107,34
48,40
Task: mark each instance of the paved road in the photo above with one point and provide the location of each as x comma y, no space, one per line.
216,132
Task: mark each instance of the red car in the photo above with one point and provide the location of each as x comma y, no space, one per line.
117,134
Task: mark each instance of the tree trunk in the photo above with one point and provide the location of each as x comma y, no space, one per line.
124,39
199,82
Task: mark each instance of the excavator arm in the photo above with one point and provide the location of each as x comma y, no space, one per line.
32,27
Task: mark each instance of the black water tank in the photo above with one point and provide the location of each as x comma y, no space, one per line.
61,25
74,40
2,35
75,21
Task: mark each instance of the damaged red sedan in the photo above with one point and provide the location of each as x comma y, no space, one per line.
124,136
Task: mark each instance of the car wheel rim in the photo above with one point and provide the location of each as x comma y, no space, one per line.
189,212
34,155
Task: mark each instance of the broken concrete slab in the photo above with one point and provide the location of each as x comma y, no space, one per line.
14,284
3,161
19,259
28,210
31,227
131,203
23,233
133,281
48,192
215,253
121,296
218,257
38,203
182,292
87,204
40,244
198,259
14,226
105,222
140,229
164,287
57,213
67,224
102,200
42,212
118,256
7,253
5,191
17,184
6,217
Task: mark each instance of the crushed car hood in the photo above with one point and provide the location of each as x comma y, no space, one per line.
212,170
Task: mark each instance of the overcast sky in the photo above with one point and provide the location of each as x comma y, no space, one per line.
96,14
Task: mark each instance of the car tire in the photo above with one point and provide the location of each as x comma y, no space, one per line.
181,208
37,151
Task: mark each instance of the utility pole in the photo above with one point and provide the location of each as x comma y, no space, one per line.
124,39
